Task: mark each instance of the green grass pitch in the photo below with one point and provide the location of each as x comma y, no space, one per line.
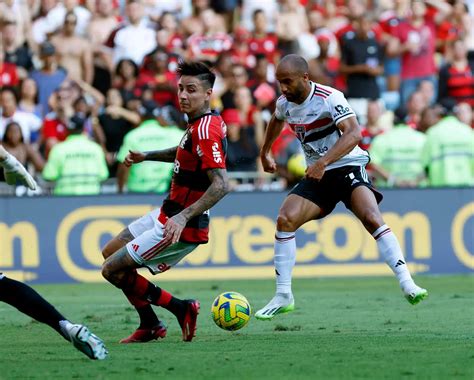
341,329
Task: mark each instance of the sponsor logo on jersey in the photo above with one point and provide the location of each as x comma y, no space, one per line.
216,153
341,111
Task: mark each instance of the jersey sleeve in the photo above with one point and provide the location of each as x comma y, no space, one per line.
210,145
339,107
280,108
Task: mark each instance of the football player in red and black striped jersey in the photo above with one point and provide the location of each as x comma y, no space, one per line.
164,236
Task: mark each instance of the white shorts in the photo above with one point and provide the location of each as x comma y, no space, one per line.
148,248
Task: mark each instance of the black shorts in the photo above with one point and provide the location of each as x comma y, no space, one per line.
336,185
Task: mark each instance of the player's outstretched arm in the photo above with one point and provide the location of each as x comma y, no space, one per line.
218,189
273,131
135,157
14,171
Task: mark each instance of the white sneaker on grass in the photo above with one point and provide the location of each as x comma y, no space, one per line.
281,303
87,342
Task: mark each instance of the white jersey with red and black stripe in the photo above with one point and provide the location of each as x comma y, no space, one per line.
315,124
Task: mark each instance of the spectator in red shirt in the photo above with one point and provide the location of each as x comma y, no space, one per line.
157,77
8,72
212,42
240,51
54,124
456,78
417,46
261,41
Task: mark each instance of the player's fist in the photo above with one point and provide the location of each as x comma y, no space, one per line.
268,163
133,157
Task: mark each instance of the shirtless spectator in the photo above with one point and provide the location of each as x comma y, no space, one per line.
74,52
101,26
292,22
56,16
17,12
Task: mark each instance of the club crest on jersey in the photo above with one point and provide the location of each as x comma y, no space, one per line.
300,131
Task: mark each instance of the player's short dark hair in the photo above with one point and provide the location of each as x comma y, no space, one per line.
197,69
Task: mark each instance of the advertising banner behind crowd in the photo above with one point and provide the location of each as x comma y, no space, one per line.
57,240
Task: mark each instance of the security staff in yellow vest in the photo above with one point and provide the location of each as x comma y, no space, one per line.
77,165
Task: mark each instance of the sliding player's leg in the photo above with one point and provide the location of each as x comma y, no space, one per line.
29,302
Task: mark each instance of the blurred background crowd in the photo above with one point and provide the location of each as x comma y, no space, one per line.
84,81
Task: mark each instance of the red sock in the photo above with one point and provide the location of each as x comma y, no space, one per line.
136,289
165,298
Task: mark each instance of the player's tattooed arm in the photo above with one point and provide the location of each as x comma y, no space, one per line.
218,189
165,155
135,157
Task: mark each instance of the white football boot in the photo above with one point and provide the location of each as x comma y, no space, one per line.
87,342
281,303
413,293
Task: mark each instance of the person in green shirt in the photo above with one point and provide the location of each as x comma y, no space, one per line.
77,165
149,135
448,154
396,155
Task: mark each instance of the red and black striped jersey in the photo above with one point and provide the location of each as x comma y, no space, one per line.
203,147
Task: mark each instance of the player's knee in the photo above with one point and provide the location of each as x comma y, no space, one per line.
109,274
286,222
372,219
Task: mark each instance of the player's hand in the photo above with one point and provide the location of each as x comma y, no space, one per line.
17,173
268,163
174,227
133,157
316,171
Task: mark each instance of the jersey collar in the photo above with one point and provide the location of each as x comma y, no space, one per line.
191,121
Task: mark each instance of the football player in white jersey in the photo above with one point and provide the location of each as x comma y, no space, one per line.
329,133
26,299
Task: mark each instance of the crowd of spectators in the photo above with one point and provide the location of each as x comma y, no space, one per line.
110,66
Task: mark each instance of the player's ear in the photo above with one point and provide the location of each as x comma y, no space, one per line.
209,93
306,77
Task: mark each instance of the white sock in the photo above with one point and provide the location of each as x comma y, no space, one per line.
285,257
390,250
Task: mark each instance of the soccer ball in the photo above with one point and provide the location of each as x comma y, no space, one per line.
230,311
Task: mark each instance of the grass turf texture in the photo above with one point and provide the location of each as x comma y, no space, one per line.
341,328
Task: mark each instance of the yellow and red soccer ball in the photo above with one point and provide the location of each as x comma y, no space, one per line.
231,311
